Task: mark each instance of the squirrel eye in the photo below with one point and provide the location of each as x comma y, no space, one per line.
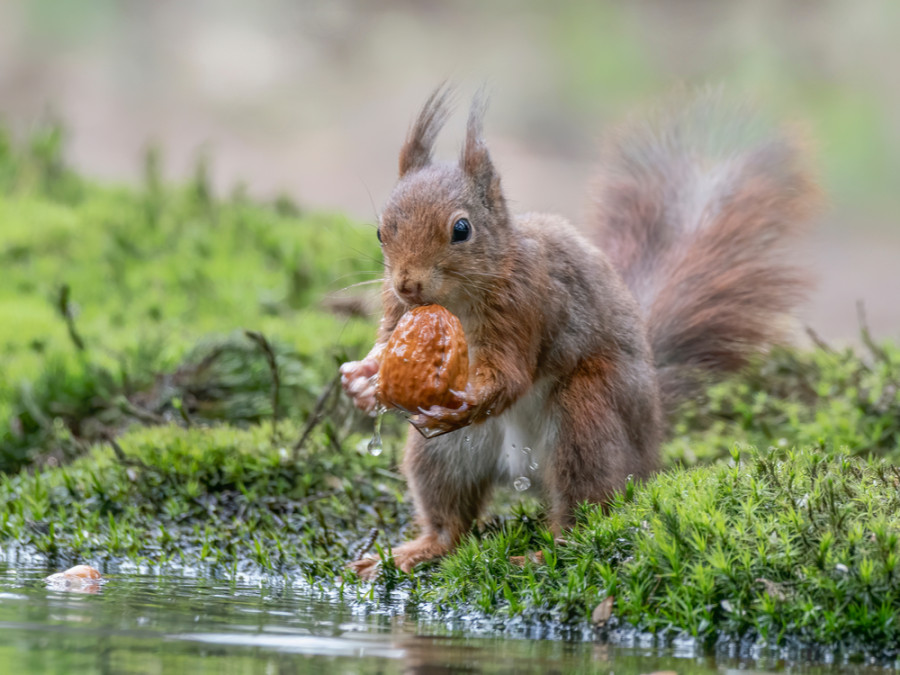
378,234
461,231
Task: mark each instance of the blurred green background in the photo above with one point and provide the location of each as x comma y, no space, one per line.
312,99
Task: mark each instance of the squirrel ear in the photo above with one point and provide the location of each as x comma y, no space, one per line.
475,160
416,151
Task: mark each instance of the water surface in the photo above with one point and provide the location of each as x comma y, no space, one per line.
146,623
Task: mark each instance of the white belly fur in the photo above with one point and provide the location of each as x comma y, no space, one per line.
497,446
529,431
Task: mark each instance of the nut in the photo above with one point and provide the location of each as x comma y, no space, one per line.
425,358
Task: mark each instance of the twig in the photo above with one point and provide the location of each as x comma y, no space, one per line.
325,494
142,414
363,548
819,342
68,315
877,351
120,453
266,348
317,414
389,474
178,404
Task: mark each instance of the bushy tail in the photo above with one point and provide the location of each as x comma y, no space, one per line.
697,210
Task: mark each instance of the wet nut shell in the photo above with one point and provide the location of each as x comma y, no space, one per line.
425,357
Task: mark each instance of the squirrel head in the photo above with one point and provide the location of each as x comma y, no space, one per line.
446,223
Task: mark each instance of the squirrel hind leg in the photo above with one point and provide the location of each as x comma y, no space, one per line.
611,428
446,502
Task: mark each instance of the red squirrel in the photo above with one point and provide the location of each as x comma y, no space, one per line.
580,350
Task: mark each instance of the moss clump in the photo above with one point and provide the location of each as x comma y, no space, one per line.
847,401
218,499
774,544
107,291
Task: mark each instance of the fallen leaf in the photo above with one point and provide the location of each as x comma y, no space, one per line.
520,560
773,590
603,611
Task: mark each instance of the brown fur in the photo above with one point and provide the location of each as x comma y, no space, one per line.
697,210
600,406
580,353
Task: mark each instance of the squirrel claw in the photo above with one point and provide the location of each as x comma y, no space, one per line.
440,419
439,412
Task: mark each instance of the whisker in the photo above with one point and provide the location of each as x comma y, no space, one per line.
484,273
358,284
357,272
465,277
365,256
472,279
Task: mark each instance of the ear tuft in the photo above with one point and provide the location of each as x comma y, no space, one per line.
416,151
475,160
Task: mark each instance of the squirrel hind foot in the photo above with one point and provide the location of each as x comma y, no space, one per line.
366,568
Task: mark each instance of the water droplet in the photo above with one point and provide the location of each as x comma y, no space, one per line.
375,445
526,450
533,466
514,446
522,483
467,440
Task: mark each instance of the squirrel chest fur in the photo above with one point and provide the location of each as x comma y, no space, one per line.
580,350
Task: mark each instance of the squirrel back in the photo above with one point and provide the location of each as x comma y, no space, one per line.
696,209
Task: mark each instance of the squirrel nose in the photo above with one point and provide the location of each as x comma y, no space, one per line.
410,291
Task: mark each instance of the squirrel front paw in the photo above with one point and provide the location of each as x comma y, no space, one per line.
357,381
440,419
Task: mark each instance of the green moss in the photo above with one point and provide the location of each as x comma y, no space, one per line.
219,499
775,544
140,277
837,401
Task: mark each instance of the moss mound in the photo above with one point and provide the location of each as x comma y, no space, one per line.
773,544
